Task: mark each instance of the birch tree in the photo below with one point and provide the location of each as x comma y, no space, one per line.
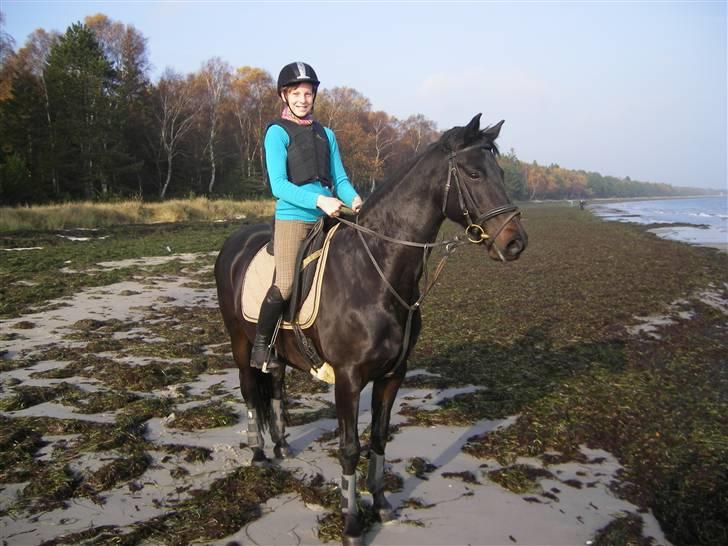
176,108
384,137
216,76
32,59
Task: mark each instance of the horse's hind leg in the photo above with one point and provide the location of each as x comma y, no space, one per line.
383,395
241,353
281,449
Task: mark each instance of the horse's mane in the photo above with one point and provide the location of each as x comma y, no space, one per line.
398,175
447,142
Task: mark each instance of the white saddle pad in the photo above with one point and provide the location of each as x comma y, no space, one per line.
259,277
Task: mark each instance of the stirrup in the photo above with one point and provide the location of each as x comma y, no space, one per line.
270,363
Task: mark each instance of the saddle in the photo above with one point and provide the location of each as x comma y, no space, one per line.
303,304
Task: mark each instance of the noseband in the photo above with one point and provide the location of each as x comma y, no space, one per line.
476,231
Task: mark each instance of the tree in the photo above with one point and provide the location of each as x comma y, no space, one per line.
176,108
337,107
385,135
513,175
25,122
7,45
126,49
81,85
254,102
216,77
417,132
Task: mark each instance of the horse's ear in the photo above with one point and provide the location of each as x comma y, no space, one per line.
493,132
472,130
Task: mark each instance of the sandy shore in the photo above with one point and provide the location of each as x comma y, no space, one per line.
567,507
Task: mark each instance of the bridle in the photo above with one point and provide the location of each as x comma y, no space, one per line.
475,233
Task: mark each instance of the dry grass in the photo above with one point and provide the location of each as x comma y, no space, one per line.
91,215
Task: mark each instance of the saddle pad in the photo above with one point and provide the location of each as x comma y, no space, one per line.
259,277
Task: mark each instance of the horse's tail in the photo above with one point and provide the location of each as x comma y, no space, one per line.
261,393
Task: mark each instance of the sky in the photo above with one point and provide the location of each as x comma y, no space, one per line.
623,88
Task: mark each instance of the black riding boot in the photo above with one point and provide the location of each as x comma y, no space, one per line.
270,311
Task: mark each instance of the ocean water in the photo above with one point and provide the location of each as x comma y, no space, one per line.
702,220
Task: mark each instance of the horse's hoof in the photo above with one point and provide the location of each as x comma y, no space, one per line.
352,541
282,452
259,458
260,464
385,514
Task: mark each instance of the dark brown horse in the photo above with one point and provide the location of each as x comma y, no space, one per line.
369,316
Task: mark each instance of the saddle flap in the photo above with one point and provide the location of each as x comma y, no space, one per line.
308,253
306,285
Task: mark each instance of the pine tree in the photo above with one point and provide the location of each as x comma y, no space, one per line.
83,92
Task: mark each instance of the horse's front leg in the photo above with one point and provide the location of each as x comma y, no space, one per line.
281,449
347,409
383,396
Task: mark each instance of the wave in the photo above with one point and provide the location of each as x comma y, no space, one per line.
696,220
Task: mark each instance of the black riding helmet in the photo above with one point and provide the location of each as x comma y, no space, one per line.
295,73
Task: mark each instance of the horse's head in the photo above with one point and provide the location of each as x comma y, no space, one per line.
475,194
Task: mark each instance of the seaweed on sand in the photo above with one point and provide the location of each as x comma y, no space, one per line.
215,414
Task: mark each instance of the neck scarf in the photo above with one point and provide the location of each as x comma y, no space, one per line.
287,114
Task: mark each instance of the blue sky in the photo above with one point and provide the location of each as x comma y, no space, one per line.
627,88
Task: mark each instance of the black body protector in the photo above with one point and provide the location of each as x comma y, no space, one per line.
309,156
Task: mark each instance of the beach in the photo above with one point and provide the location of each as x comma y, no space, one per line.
572,397
701,221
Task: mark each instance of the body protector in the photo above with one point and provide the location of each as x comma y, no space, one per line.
309,156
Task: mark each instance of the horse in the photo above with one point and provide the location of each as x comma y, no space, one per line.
369,318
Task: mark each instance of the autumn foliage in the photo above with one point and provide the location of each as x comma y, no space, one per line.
81,119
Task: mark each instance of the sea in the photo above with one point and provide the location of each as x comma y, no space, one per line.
696,220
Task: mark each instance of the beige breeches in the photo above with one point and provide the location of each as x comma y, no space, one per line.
289,234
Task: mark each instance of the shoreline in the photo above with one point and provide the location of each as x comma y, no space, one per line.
688,232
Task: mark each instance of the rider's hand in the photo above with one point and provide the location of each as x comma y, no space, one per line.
330,205
356,204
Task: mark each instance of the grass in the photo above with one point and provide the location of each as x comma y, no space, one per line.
543,337
89,215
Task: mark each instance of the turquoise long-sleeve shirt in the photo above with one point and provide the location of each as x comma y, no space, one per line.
299,202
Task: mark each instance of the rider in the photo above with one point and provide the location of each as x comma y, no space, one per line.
308,180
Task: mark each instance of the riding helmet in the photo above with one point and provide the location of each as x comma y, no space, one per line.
294,73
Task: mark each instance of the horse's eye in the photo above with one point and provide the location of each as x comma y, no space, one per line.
474,175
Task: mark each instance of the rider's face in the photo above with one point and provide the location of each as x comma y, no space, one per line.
300,99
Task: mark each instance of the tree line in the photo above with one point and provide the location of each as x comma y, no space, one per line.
80,118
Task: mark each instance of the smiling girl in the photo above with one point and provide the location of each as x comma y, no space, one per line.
308,180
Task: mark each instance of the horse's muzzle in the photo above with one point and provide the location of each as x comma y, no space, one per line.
510,243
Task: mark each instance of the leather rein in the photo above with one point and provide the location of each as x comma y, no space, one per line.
475,233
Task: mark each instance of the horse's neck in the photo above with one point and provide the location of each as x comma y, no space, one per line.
410,209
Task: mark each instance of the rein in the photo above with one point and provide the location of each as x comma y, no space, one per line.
475,233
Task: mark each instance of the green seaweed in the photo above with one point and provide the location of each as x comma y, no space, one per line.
216,414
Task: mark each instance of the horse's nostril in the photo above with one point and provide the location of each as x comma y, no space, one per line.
515,247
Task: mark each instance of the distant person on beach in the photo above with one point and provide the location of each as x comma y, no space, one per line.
308,180
582,204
